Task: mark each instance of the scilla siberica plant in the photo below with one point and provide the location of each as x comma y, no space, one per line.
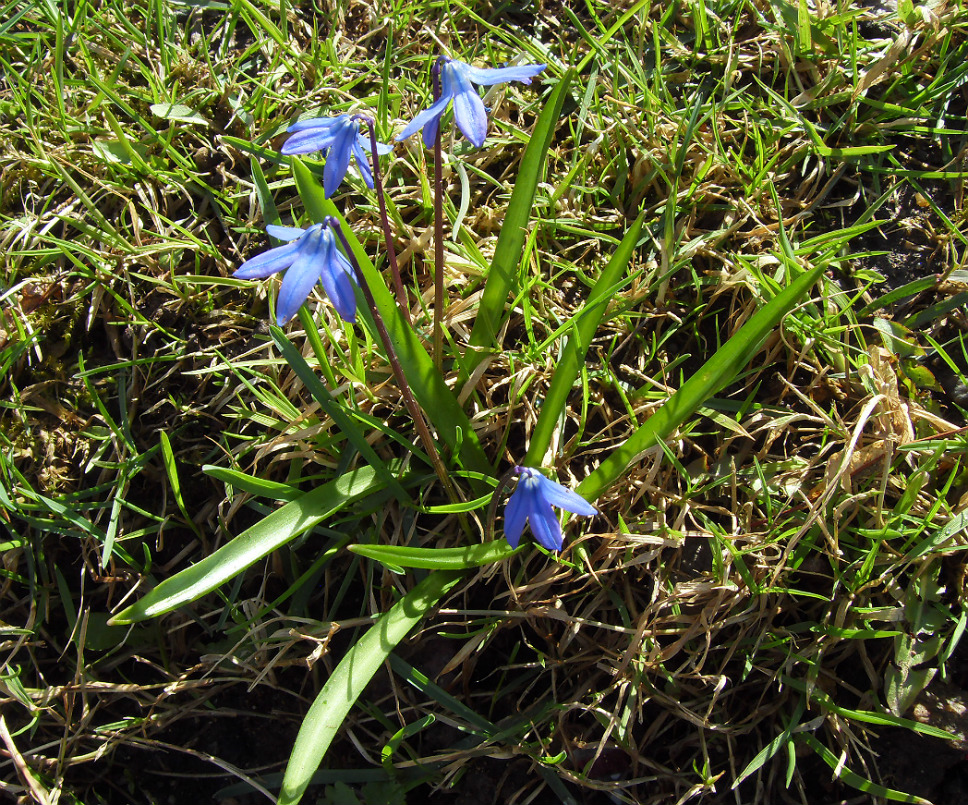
313,256
323,253
326,253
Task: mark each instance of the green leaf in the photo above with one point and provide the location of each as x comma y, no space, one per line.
351,676
177,112
584,325
903,685
251,545
254,486
392,746
774,746
333,410
827,704
118,151
426,382
507,252
417,679
171,468
852,778
437,558
716,373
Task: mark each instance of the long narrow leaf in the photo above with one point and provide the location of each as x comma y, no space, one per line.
852,778
354,671
346,425
254,486
437,558
251,545
417,679
717,372
774,746
507,252
426,382
573,355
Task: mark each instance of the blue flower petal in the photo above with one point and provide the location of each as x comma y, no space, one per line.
338,159
363,163
336,279
533,499
306,142
433,112
316,123
285,232
516,513
382,149
301,277
562,497
469,112
488,76
268,263
313,257
544,526
339,138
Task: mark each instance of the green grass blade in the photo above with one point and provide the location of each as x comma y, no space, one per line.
719,370
437,558
774,746
426,382
333,410
867,716
855,780
584,325
507,252
254,486
418,680
171,469
351,676
251,545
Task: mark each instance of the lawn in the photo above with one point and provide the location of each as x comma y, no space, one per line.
707,271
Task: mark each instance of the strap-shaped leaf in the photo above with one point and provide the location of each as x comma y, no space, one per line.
272,532
510,243
354,671
718,371
437,558
852,778
332,408
426,382
584,325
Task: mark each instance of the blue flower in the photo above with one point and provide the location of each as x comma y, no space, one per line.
532,501
341,136
311,255
456,78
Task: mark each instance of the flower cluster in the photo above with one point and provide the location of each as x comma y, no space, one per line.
312,255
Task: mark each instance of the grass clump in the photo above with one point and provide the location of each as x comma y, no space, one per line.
769,607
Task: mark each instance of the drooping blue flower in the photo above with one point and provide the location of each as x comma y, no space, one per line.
532,501
311,256
340,136
456,79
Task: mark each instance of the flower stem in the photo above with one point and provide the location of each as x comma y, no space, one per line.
438,350
502,482
385,218
408,399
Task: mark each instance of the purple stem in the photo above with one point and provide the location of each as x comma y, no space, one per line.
408,400
438,228
387,232
503,482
